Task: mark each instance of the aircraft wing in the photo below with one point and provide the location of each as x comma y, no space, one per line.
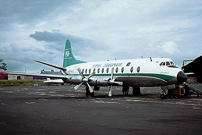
40,75
63,69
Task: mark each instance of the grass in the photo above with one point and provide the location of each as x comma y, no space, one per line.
6,83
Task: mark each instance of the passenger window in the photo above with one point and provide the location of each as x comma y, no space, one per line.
117,69
122,69
82,71
86,71
131,69
94,70
89,71
107,70
138,69
102,70
98,70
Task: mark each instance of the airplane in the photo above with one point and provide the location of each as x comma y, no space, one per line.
135,73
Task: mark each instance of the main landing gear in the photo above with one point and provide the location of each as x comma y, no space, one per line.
88,94
136,90
125,90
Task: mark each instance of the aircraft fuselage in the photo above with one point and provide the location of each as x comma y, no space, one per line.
132,72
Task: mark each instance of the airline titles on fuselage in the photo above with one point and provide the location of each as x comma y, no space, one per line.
107,65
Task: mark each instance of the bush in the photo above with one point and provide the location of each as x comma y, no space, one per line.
19,83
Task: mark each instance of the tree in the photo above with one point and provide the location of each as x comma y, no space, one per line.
3,65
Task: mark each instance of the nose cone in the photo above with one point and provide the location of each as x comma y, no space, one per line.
181,77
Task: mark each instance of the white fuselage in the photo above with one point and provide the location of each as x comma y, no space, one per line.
143,72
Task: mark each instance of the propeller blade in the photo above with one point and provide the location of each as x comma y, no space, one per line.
90,89
77,86
112,73
119,83
79,70
91,75
110,91
84,80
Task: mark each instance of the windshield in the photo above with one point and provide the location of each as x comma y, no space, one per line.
168,64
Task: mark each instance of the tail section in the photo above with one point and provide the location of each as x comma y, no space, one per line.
69,57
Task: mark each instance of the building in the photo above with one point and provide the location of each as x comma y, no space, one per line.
195,67
3,76
18,77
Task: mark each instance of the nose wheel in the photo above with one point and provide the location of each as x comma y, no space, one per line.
163,95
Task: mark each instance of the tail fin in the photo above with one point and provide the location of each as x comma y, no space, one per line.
69,57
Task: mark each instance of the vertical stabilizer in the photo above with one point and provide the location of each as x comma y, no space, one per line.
69,57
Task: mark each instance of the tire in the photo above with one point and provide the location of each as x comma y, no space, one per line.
88,94
136,91
162,96
176,96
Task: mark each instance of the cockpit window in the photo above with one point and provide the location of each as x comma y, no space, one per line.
171,63
162,64
168,64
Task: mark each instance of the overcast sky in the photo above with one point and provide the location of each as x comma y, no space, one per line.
98,30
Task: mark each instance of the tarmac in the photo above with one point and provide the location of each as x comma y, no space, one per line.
54,110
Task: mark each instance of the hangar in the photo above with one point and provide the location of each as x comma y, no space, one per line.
193,66
4,76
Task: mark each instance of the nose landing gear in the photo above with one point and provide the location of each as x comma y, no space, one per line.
163,94
176,93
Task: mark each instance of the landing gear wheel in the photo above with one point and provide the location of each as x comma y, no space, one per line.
176,96
125,90
92,94
88,94
162,96
125,93
136,91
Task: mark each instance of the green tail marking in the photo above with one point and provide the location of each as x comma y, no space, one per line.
69,57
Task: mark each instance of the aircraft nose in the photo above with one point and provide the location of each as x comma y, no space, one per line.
181,77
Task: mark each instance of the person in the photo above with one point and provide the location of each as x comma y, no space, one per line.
187,93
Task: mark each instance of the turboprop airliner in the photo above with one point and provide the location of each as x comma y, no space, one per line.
135,73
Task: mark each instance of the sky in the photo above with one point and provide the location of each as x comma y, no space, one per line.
98,30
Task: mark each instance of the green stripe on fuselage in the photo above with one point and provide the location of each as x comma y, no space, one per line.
160,76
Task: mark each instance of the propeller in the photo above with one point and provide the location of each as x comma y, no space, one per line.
112,81
84,80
